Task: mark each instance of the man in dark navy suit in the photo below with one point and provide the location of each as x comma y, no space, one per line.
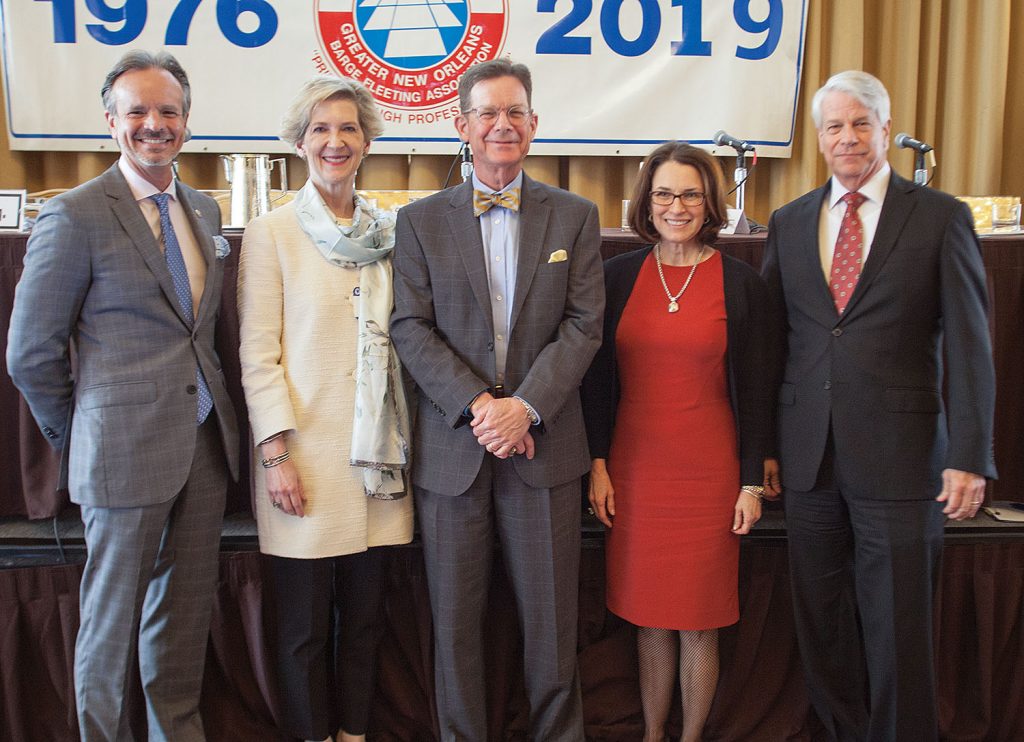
881,295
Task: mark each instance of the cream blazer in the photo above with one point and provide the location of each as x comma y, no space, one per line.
298,329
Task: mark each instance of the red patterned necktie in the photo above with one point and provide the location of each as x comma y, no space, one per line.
849,253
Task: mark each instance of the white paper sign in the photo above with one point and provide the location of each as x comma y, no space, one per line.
12,210
737,223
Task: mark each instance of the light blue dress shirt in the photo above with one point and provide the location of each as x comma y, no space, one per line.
499,230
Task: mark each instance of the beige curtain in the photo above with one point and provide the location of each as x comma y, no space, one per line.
955,77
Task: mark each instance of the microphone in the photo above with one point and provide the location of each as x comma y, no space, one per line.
906,141
724,140
467,162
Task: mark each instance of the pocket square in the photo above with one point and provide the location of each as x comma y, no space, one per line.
221,246
558,256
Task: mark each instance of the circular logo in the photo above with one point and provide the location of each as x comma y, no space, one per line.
410,53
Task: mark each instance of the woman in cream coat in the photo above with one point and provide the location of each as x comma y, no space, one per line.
327,408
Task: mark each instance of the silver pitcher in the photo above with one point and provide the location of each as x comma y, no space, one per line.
249,178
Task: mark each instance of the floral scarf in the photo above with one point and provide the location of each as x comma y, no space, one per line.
380,428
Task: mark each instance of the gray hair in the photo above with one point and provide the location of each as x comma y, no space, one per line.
323,88
139,59
865,87
490,69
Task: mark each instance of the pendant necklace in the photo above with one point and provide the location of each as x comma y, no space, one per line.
673,301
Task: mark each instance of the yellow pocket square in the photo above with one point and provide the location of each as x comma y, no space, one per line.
558,256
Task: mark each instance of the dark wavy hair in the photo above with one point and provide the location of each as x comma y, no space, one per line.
139,59
639,214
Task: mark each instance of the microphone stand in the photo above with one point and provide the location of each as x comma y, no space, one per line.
738,223
467,162
739,177
920,170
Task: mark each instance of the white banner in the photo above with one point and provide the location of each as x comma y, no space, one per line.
610,76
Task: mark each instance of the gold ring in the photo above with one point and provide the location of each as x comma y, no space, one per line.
514,451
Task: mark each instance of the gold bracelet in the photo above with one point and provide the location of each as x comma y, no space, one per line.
755,491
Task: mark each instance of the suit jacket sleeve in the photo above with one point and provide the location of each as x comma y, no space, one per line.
48,300
559,368
970,375
776,331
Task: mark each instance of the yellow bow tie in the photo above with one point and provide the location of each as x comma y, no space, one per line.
483,201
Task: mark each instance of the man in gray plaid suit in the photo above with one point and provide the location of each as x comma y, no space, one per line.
127,269
499,297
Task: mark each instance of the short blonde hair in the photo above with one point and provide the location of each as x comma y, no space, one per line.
323,88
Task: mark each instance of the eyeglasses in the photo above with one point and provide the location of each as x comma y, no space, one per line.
489,114
667,198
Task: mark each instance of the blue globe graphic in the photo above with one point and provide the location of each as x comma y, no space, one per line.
412,34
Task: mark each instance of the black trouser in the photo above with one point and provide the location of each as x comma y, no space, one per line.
864,573
328,627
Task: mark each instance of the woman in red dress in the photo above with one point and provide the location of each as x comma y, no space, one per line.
678,417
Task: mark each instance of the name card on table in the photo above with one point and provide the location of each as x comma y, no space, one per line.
12,210
737,223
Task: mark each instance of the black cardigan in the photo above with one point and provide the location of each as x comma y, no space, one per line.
747,360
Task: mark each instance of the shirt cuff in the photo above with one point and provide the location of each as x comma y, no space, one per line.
468,412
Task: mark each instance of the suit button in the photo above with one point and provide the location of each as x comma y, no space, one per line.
828,385
191,389
837,332
490,346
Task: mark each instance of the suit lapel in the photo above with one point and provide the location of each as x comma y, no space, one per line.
896,209
465,231
128,213
533,226
809,262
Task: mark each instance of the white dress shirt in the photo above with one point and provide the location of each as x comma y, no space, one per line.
832,212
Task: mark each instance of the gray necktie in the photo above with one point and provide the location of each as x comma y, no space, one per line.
176,265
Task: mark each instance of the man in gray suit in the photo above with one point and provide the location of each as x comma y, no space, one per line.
882,304
498,305
127,270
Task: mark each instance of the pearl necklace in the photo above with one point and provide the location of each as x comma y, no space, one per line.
673,301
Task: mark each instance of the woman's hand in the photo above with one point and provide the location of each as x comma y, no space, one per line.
601,493
772,481
284,487
746,513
